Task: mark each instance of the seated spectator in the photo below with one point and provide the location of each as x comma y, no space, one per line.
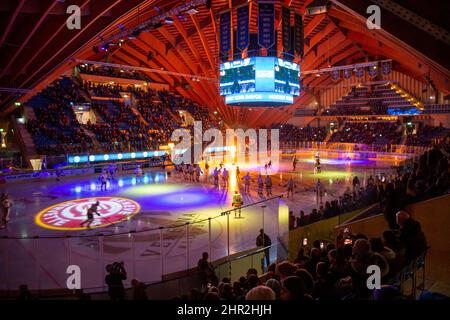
362,258
377,246
139,292
324,285
411,236
260,293
275,286
315,257
212,296
226,292
285,269
293,288
308,280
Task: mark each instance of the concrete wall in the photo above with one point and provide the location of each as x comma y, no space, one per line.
434,217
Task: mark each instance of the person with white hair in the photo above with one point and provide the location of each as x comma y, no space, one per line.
260,293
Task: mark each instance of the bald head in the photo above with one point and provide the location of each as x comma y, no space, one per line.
401,217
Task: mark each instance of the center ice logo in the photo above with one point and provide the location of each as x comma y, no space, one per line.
68,215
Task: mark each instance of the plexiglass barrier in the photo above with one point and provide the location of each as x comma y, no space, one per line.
148,255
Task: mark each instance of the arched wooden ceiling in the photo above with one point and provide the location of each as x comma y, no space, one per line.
36,46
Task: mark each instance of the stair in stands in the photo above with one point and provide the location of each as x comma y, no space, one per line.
26,143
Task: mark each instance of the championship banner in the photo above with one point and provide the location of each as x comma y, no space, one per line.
359,72
298,35
373,71
347,73
225,32
243,33
266,25
386,67
335,75
286,28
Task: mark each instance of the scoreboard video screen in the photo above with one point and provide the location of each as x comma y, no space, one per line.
259,81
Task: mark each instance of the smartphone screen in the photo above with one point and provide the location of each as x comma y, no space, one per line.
305,241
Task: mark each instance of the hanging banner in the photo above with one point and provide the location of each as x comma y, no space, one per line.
359,72
298,35
347,73
242,34
335,75
225,32
373,71
286,28
266,25
386,67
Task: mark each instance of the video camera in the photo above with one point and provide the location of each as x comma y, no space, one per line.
118,267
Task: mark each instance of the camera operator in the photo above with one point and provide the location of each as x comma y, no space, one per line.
114,280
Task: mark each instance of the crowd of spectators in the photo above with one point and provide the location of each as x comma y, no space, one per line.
177,103
159,119
425,135
122,130
112,72
64,91
103,89
418,180
353,198
369,133
55,129
338,271
325,271
294,135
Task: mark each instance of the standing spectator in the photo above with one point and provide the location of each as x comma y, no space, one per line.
411,235
263,240
114,280
204,269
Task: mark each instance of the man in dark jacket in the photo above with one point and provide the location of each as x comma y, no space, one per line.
114,280
411,235
263,240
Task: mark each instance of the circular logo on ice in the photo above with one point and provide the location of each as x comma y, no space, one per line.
70,214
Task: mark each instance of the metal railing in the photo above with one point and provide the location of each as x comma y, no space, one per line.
355,147
41,261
